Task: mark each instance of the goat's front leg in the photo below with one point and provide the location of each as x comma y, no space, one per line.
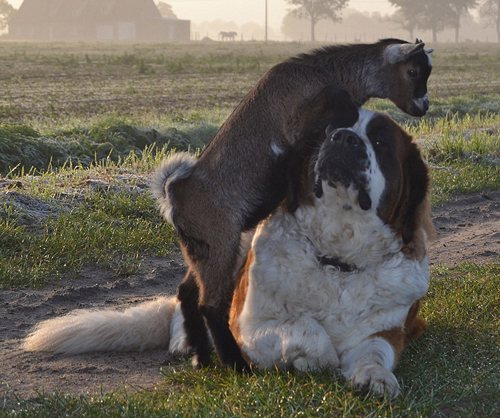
369,364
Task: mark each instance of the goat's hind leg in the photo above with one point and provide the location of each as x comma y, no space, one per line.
217,279
225,344
194,324
206,294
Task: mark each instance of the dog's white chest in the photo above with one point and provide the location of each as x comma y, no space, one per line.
288,281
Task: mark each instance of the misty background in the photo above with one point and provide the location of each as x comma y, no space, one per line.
343,21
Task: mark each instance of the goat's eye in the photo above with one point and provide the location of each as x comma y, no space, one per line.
412,73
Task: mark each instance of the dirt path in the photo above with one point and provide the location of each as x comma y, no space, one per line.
467,229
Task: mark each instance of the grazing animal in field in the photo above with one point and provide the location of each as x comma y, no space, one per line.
227,35
336,283
253,162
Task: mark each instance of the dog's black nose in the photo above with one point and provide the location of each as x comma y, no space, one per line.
345,138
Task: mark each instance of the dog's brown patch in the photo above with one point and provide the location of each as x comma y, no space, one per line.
240,294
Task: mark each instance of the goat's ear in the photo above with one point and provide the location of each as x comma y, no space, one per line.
417,182
397,53
419,41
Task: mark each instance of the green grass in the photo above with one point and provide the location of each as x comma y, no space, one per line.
463,153
22,148
452,370
53,224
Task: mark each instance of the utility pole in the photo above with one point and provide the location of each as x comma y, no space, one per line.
266,24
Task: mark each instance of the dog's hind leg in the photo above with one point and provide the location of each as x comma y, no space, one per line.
194,324
301,343
414,325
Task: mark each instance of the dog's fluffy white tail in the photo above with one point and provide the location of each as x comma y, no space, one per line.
152,324
177,167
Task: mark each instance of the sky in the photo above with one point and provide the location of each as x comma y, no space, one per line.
243,11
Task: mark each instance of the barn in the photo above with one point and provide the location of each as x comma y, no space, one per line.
95,20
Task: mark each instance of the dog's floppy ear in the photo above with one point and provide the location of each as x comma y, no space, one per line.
417,183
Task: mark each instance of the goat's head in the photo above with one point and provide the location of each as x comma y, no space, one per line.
407,67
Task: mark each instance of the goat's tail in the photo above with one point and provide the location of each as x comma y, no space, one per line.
179,166
153,324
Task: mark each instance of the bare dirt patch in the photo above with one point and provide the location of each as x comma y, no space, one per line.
468,229
23,374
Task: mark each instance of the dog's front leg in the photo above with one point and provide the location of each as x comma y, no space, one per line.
369,364
299,343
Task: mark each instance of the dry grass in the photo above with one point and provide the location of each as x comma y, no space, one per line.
57,82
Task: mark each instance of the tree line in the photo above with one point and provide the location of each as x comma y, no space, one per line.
410,15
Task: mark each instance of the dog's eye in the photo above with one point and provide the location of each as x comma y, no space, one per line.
377,142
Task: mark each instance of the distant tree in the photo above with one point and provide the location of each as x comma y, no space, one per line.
315,10
407,16
166,10
489,11
6,11
459,8
433,15
436,16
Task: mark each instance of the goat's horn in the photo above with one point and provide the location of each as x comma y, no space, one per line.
401,52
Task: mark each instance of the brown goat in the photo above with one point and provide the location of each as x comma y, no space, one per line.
252,164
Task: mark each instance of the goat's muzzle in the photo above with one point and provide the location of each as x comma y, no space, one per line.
418,107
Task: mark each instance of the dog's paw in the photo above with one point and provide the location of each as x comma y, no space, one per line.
306,363
375,379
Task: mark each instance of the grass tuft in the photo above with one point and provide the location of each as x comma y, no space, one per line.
54,224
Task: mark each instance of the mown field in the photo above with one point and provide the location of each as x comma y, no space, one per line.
82,125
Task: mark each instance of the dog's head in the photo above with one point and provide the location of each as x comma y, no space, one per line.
375,166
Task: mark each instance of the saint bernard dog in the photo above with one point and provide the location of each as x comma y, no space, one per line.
335,283
338,282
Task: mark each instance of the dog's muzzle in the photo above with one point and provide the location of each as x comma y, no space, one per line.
343,159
